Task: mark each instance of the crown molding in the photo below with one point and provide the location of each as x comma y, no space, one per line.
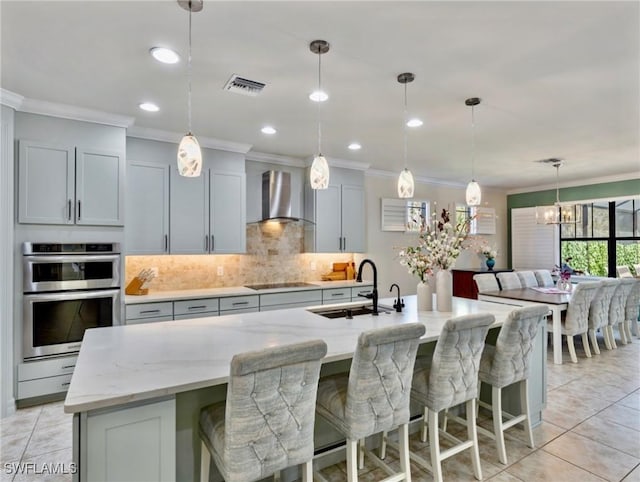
344,163
417,179
585,182
10,99
64,111
274,159
174,138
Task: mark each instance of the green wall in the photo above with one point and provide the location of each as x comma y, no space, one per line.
606,190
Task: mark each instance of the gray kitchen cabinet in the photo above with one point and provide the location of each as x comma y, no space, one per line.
208,213
239,304
338,213
69,185
336,295
186,309
147,208
290,299
148,312
45,377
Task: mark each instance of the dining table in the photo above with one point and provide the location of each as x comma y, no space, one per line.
556,300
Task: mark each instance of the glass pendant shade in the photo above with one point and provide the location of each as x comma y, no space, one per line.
319,173
559,214
474,195
189,156
405,184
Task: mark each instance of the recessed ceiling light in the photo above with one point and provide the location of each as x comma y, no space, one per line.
149,107
414,123
268,130
318,96
164,55
354,146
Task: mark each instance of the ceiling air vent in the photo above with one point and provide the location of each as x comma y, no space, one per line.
240,85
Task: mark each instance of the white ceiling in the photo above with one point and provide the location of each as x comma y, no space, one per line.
557,79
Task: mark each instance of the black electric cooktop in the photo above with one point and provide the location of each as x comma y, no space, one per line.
270,286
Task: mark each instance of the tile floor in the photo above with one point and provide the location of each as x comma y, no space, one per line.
591,432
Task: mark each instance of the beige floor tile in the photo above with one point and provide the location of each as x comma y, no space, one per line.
53,414
611,434
567,411
12,447
541,466
592,456
49,439
22,421
632,400
504,477
51,467
622,415
634,475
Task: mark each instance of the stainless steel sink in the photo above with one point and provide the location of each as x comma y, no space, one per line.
348,312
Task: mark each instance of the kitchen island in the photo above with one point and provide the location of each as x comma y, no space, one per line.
137,390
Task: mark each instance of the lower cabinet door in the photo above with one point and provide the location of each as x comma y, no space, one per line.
137,443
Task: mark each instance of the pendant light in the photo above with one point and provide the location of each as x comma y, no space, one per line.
189,153
405,180
558,213
474,195
319,172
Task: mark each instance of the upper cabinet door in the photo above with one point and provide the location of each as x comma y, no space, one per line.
228,212
147,213
46,179
99,187
353,219
328,218
189,213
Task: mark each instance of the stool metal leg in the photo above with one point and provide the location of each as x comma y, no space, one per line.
307,471
425,416
472,434
405,464
361,443
434,445
383,445
352,460
524,404
205,461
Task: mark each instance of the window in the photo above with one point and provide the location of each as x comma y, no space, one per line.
608,236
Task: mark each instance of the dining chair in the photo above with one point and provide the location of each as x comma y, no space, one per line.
527,279
632,307
507,363
623,272
544,278
617,311
266,423
486,282
448,379
374,396
576,320
509,281
599,312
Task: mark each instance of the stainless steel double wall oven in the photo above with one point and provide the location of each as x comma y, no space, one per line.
68,288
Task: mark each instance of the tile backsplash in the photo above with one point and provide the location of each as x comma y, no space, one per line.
274,255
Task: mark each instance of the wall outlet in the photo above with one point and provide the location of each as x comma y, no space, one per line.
220,270
313,266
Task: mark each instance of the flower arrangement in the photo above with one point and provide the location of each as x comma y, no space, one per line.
564,273
439,244
487,251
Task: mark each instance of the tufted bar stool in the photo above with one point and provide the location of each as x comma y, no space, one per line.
509,281
374,397
599,312
449,379
544,278
576,320
486,282
617,311
527,279
266,423
508,362
632,307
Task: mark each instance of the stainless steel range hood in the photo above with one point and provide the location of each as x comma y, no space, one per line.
276,198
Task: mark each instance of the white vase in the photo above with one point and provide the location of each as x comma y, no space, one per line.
425,296
444,290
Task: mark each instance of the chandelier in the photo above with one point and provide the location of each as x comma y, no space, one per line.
558,213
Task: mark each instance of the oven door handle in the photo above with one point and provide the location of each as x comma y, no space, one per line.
75,295
76,258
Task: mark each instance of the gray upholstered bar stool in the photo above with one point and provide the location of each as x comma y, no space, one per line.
267,421
506,363
576,320
509,281
449,379
527,279
617,311
599,313
486,282
544,278
374,396
632,308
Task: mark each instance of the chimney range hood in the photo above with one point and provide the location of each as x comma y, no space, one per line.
276,198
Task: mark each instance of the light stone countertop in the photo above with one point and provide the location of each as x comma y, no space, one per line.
175,295
122,364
